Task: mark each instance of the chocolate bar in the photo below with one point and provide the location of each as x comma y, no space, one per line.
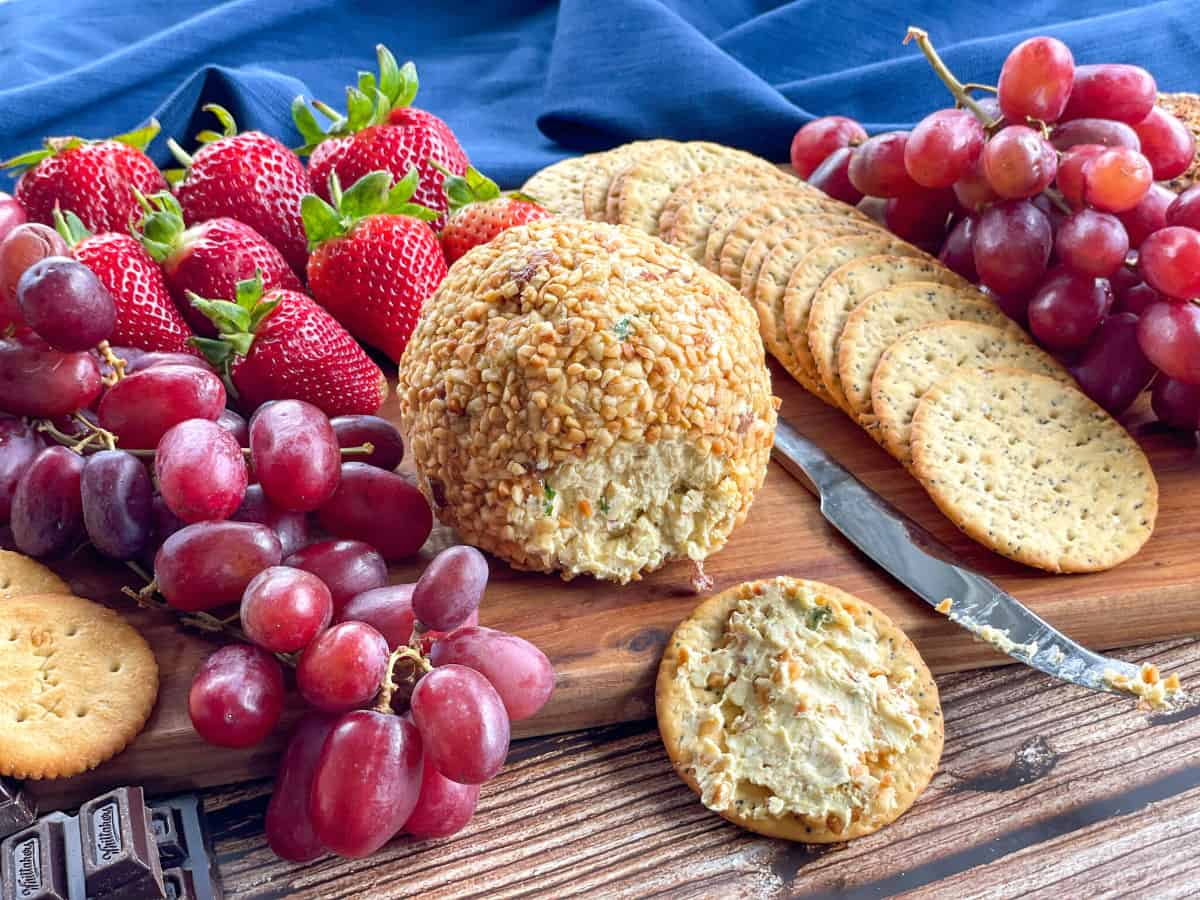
117,848
17,810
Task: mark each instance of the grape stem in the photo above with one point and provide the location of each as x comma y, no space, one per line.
388,689
149,598
109,440
116,362
960,91
1054,195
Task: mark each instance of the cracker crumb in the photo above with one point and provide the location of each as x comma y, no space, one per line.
1152,690
944,606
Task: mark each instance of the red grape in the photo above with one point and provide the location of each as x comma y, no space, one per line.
64,302
1148,216
920,217
833,177
1167,143
164,523
1019,162
1091,243
464,727
295,454
1111,91
1100,132
1070,171
291,527
1169,335
354,431
347,567
1012,247
47,508
1169,260
236,696
12,214
1035,80
1015,306
973,191
366,783
958,253
1116,180
288,825
141,407
115,488
200,469
386,609
19,444
1114,371
1135,298
20,249
343,668
235,425
1067,308
284,609
444,807
519,671
1185,209
817,139
943,147
450,588
37,381
209,564
1176,403
877,168
377,506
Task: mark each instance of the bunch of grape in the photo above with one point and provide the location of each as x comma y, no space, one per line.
411,700
1048,194
264,514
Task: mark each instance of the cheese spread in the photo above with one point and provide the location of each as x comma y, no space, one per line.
801,708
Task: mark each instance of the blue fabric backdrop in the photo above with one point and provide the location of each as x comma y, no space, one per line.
523,83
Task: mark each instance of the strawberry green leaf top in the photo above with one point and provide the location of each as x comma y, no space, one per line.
369,102
373,194
237,323
139,139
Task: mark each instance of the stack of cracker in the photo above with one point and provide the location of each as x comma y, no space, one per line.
911,351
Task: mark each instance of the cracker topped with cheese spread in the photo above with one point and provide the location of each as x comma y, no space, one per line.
798,711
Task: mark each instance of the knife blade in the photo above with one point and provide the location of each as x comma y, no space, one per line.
927,567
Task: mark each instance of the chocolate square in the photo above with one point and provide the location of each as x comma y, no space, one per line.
17,809
35,864
120,858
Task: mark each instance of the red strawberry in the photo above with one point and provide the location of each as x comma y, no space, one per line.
209,259
280,345
373,264
96,180
479,212
249,177
146,317
381,131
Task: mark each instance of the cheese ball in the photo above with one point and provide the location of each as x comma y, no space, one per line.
579,397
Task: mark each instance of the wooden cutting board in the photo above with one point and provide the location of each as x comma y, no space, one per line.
605,640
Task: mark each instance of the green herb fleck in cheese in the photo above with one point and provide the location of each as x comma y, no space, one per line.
800,710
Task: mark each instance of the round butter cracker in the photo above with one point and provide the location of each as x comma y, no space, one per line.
689,213
1031,468
639,192
798,711
21,575
924,355
807,277
734,240
77,684
843,290
886,315
604,167
559,186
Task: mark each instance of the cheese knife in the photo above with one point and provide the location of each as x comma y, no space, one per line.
927,567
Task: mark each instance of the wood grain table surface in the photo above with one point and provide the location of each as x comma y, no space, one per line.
1044,790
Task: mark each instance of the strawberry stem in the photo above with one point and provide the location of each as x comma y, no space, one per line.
181,155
